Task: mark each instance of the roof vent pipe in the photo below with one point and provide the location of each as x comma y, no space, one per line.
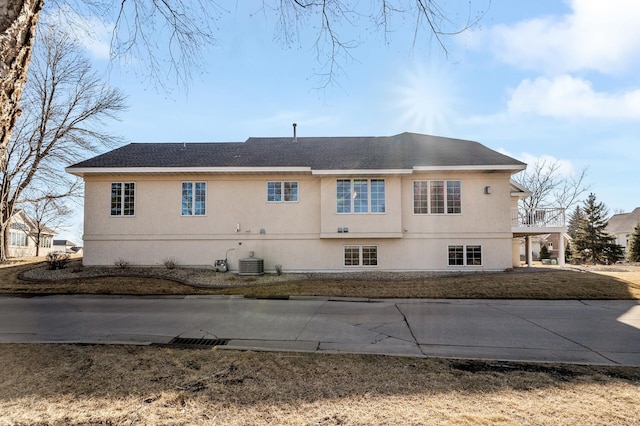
295,137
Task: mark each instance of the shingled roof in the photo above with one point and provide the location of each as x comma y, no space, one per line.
403,151
624,222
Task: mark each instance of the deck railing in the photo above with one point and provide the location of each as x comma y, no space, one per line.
537,218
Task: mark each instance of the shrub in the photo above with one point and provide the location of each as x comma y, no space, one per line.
544,252
57,260
121,263
169,263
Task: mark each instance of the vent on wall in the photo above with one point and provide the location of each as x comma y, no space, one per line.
251,266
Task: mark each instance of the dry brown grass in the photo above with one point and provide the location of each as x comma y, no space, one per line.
536,283
70,384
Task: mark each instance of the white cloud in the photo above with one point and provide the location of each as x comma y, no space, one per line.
565,167
597,35
569,97
93,34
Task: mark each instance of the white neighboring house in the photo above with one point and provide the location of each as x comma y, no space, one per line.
394,203
622,225
64,246
23,234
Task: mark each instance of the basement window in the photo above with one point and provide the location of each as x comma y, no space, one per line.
461,255
360,255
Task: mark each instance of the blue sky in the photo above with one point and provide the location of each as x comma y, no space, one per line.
534,79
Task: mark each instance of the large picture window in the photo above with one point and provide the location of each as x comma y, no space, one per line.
360,255
461,255
123,198
360,196
278,192
18,239
437,197
194,198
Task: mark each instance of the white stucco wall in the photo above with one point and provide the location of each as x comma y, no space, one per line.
302,236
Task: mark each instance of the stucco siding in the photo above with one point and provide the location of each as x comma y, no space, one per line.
299,255
300,235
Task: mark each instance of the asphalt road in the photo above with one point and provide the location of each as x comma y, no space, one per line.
573,331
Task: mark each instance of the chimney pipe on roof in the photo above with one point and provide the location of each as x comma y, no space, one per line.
295,137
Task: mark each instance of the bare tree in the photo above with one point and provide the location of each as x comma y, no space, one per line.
549,187
46,214
18,19
65,107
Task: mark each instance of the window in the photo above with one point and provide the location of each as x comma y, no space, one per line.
360,255
474,256
456,255
465,255
367,196
278,192
194,198
123,199
45,242
437,197
18,239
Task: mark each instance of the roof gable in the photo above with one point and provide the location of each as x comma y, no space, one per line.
624,222
403,151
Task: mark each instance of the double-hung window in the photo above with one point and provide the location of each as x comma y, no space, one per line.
360,196
123,198
360,255
278,192
437,197
461,255
194,198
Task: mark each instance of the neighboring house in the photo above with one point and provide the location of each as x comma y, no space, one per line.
65,246
23,234
622,225
399,203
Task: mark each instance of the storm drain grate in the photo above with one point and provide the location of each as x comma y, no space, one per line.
186,342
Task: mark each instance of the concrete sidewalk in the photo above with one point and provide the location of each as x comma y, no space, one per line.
592,332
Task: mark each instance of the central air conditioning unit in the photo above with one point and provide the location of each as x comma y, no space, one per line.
251,266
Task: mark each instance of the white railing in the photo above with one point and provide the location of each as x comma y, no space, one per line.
537,218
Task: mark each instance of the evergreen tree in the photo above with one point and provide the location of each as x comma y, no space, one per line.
592,240
574,221
633,251
544,252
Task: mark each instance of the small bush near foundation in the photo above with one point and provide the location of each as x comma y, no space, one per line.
121,263
169,263
57,260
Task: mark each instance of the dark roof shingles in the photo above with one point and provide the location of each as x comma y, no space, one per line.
403,151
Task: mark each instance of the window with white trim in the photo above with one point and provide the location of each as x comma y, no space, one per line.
123,198
437,197
194,198
45,241
360,255
360,196
279,192
18,239
461,255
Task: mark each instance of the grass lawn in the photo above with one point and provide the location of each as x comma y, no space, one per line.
117,385
113,385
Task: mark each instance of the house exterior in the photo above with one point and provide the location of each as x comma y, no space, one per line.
400,203
622,225
65,246
23,237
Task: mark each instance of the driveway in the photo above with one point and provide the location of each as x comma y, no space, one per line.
591,332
